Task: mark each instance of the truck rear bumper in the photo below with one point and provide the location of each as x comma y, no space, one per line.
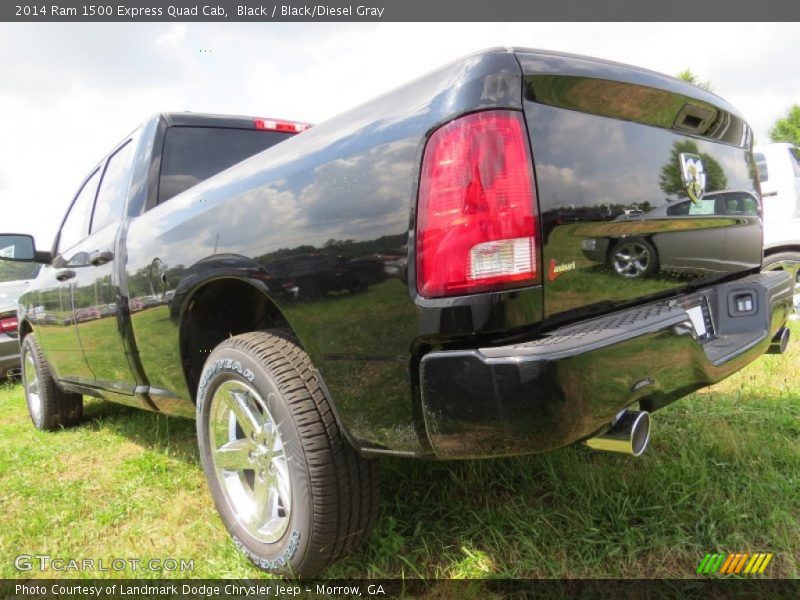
571,383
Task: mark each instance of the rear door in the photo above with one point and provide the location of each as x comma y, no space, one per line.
743,239
191,154
95,290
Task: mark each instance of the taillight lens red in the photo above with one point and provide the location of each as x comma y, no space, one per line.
9,324
278,125
476,216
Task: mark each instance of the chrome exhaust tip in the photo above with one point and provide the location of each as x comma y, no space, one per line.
780,342
629,435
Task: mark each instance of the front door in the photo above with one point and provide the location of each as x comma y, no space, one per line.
54,314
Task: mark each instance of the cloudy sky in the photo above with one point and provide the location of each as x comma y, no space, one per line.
69,92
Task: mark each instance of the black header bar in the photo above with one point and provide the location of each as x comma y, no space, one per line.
689,12
385,589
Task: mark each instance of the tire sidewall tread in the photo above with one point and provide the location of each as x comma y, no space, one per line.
333,488
59,408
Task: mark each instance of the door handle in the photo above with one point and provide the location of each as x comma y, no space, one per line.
65,274
100,258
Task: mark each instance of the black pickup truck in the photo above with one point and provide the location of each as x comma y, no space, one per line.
409,278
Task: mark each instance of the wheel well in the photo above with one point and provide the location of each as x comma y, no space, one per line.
24,329
219,310
779,249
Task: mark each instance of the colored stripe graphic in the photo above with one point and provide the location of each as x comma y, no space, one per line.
715,566
703,563
764,564
728,562
710,563
730,565
740,562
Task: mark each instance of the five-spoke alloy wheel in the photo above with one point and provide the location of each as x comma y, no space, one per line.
634,258
249,460
31,382
291,490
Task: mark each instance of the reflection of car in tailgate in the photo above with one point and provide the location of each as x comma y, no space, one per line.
719,249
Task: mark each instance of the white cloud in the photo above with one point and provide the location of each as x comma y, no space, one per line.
173,37
70,92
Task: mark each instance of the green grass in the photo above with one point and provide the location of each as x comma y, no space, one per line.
722,474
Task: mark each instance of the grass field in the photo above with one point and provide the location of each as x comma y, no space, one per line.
722,474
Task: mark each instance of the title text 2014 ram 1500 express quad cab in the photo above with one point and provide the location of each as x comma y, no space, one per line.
409,279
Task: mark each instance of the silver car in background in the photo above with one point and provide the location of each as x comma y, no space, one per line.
10,365
632,251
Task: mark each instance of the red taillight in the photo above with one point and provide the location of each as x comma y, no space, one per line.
277,125
476,216
9,324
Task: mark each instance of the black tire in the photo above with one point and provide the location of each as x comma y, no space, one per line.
49,406
309,289
333,490
355,286
642,258
776,261
784,261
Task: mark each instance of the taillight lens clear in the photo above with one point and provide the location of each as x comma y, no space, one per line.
476,215
9,324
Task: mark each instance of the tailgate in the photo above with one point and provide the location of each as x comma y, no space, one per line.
645,184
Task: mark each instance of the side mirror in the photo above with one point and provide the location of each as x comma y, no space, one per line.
21,248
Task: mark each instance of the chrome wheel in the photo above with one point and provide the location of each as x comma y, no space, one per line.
249,460
631,259
31,382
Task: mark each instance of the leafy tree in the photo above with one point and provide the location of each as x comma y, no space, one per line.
671,179
787,128
687,75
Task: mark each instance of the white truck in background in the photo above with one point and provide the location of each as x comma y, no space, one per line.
779,172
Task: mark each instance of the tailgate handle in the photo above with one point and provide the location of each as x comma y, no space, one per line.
101,258
65,274
695,119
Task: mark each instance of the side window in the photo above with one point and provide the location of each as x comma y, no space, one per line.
193,154
795,153
113,189
76,225
678,210
761,167
737,203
